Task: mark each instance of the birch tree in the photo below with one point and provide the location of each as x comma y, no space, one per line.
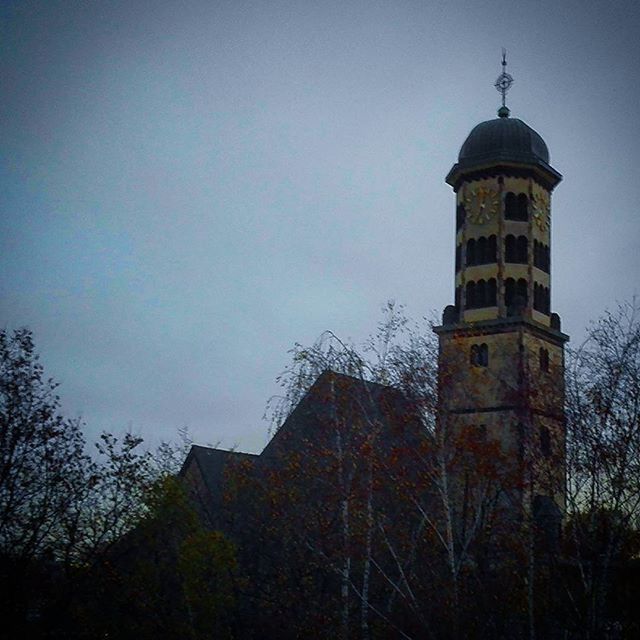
603,463
411,513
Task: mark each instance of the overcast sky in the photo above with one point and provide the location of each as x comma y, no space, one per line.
188,188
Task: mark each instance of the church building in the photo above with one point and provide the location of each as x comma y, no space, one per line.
501,356
501,349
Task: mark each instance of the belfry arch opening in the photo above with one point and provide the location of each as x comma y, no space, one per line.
516,207
481,250
482,293
515,295
516,249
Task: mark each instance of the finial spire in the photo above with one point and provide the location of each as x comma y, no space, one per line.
503,84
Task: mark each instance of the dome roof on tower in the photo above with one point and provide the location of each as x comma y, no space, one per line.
507,139
504,142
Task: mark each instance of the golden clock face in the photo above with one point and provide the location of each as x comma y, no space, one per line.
541,210
481,204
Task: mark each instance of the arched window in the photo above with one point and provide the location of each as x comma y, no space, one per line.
483,359
509,292
470,301
541,299
481,251
510,249
547,301
516,208
471,257
541,256
544,359
522,208
461,216
521,290
481,294
492,250
479,355
521,250
458,296
547,259
491,293
515,296
510,206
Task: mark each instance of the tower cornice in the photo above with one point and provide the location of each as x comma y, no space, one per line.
502,325
544,174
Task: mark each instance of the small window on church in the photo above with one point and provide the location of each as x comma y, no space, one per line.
515,296
470,256
516,249
547,301
541,256
481,251
522,208
521,250
547,259
521,291
544,359
481,294
509,292
516,207
479,355
510,249
510,206
491,293
470,301
541,299
545,442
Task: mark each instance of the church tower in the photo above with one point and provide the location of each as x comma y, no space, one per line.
501,348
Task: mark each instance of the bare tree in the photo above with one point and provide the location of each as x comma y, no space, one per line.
603,460
404,528
41,454
62,509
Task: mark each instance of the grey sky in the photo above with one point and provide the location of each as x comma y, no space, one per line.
187,189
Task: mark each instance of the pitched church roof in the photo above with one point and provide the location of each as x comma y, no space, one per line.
333,399
211,463
336,398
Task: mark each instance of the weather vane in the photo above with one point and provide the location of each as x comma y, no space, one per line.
504,81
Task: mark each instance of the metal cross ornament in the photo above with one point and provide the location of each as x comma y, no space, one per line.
504,81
